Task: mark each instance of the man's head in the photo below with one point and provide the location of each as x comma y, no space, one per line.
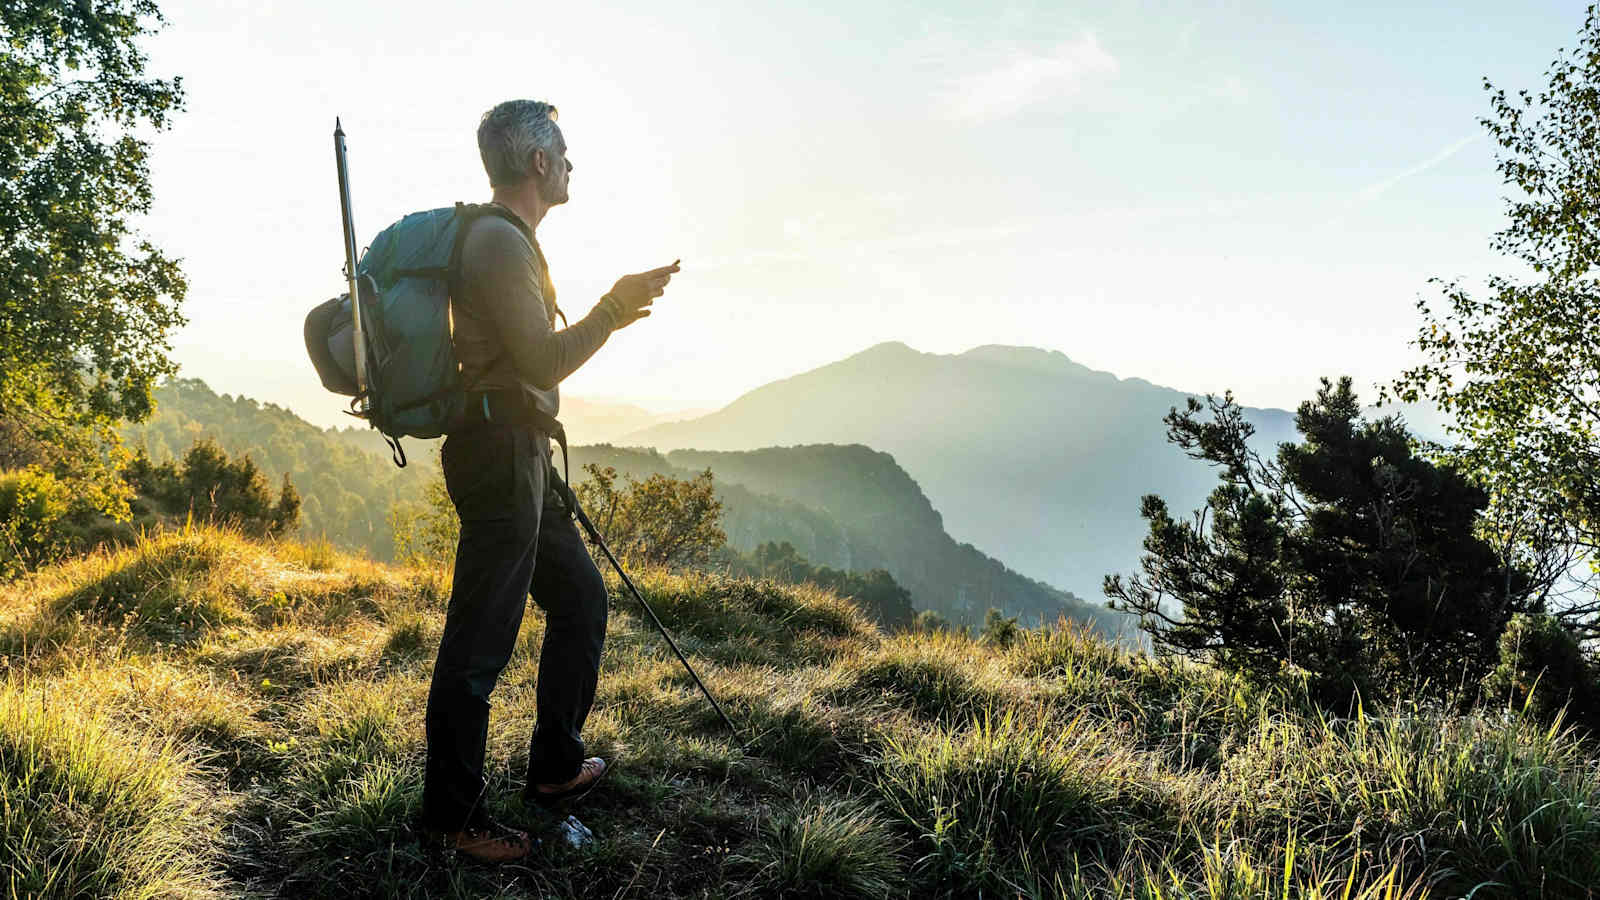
520,143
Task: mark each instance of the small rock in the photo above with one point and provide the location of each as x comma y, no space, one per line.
575,833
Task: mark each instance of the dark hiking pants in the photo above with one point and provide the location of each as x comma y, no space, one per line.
498,479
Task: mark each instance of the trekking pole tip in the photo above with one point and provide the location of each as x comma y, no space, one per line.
338,128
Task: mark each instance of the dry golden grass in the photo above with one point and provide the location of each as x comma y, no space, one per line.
260,704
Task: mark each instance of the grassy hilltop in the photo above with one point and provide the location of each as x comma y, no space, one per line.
202,715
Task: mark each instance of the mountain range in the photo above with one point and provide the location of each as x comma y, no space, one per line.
848,507
1037,459
852,508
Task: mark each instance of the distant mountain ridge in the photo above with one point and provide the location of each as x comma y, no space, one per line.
1037,458
851,507
854,508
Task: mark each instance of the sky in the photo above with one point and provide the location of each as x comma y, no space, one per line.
1207,195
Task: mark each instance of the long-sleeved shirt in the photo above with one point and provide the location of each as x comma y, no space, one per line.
504,317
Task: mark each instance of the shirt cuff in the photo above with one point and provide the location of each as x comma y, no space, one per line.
609,305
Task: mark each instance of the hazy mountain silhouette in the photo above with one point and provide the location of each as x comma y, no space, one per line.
852,508
1037,459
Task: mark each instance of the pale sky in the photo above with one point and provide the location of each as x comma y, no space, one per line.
1206,195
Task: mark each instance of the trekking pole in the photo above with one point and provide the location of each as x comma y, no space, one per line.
343,165
571,500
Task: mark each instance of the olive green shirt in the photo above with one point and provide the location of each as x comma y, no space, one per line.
503,319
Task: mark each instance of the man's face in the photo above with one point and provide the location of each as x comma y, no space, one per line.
557,171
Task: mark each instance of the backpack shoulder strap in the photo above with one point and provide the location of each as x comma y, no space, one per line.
468,214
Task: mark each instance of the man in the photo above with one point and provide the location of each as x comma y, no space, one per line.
516,533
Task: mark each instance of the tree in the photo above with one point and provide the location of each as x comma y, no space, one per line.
1346,557
659,521
212,487
286,512
1518,364
86,305
426,533
999,629
931,620
875,592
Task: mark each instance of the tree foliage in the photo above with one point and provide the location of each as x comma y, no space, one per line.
661,520
1543,669
426,532
346,483
211,487
35,519
1345,557
1517,364
999,629
86,305
875,591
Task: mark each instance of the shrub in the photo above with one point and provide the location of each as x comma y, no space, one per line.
931,620
1543,670
34,507
998,629
659,521
425,533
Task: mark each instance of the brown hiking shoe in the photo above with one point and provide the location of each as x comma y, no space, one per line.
488,842
589,774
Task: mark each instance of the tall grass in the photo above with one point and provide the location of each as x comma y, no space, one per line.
828,847
202,714
1012,793
86,811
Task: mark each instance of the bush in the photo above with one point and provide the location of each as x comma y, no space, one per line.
34,509
998,629
1543,670
659,521
425,533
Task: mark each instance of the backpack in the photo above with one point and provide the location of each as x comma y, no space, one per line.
405,279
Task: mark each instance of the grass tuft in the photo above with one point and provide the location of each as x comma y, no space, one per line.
1011,789
86,811
827,847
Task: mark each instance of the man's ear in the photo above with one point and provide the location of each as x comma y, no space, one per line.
541,162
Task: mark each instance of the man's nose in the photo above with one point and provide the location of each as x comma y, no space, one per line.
569,165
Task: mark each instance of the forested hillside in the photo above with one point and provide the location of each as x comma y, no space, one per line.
854,508
1037,459
851,508
346,490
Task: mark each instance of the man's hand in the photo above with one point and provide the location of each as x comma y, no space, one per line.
633,294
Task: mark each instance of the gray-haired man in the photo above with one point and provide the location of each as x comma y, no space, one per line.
516,535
